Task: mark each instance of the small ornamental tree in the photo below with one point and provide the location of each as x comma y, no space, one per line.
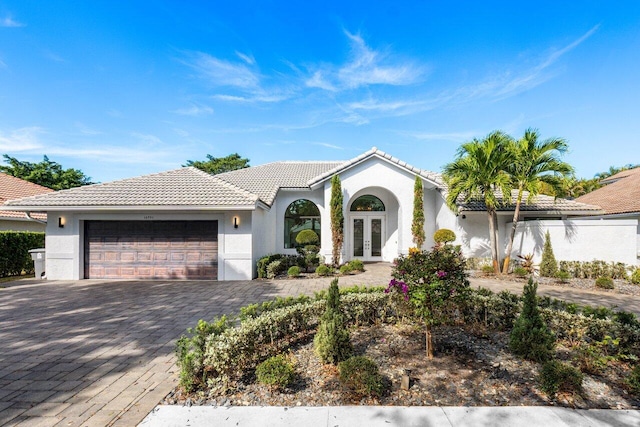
337,219
307,241
443,236
530,337
417,226
332,342
548,266
434,282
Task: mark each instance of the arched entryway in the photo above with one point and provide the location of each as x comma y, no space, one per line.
372,225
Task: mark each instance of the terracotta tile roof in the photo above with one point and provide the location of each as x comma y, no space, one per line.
541,203
265,180
621,194
180,187
16,188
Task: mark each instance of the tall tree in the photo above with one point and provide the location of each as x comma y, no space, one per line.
337,219
417,226
216,165
534,162
46,173
479,173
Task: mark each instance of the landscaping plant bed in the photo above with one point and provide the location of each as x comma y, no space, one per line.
470,368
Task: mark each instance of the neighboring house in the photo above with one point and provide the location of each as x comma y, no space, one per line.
619,197
16,188
186,223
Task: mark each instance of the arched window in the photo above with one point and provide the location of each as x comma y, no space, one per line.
367,203
301,215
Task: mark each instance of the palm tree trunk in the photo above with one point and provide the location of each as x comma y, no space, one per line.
512,235
493,239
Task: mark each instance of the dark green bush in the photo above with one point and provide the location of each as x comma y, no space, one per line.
324,270
635,276
530,337
293,271
633,381
286,261
345,269
444,236
556,376
307,237
356,265
276,372
14,251
360,375
332,342
548,265
519,271
604,282
562,276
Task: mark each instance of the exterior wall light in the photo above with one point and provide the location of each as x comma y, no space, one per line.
236,222
60,222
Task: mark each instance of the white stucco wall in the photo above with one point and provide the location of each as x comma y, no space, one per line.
65,246
21,225
580,240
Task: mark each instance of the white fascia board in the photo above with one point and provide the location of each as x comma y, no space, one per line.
131,208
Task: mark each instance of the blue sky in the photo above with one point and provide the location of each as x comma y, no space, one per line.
120,89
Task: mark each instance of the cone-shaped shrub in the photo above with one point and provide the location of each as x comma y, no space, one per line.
531,338
332,342
548,265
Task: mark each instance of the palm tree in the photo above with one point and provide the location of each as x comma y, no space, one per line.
534,164
478,173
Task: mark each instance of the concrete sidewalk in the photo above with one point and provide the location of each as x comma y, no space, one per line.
373,416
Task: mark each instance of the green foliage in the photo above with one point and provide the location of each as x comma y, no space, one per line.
604,282
436,281
526,262
286,261
190,351
417,225
337,219
635,276
332,343
594,269
356,265
488,270
277,372
556,376
307,237
548,265
361,376
519,271
254,310
593,357
345,269
562,276
294,271
530,337
633,381
46,173
324,270
492,311
216,165
444,235
14,251
274,268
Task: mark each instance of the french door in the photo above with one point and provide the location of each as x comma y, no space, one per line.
368,236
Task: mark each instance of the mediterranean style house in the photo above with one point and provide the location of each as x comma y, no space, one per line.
187,224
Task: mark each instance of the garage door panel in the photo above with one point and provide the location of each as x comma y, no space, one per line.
151,250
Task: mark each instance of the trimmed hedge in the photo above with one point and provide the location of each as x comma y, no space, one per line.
14,251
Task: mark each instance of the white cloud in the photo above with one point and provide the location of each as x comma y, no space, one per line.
219,72
85,130
147,138
327,145
194,110
21,140
249,59
10,23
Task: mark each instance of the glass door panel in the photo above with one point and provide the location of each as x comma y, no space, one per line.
376,237
358,237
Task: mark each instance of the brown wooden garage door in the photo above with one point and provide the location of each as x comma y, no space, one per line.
151,250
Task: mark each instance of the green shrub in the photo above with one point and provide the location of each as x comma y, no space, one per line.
519,271
254,310
530,337
444,236
190,350
360,375
548,265
346,269
633,381
488,270
277,372
274,268
604,282
556,376
356,265
562,276
293,271
635,276
332,342
593,357
594,269
14,251
324,270
307,237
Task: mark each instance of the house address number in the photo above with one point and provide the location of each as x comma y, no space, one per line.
147,217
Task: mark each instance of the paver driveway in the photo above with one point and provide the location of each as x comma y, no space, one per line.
101,352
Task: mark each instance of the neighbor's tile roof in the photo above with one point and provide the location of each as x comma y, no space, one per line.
265,180
540,203
15,188
621,194
180,187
